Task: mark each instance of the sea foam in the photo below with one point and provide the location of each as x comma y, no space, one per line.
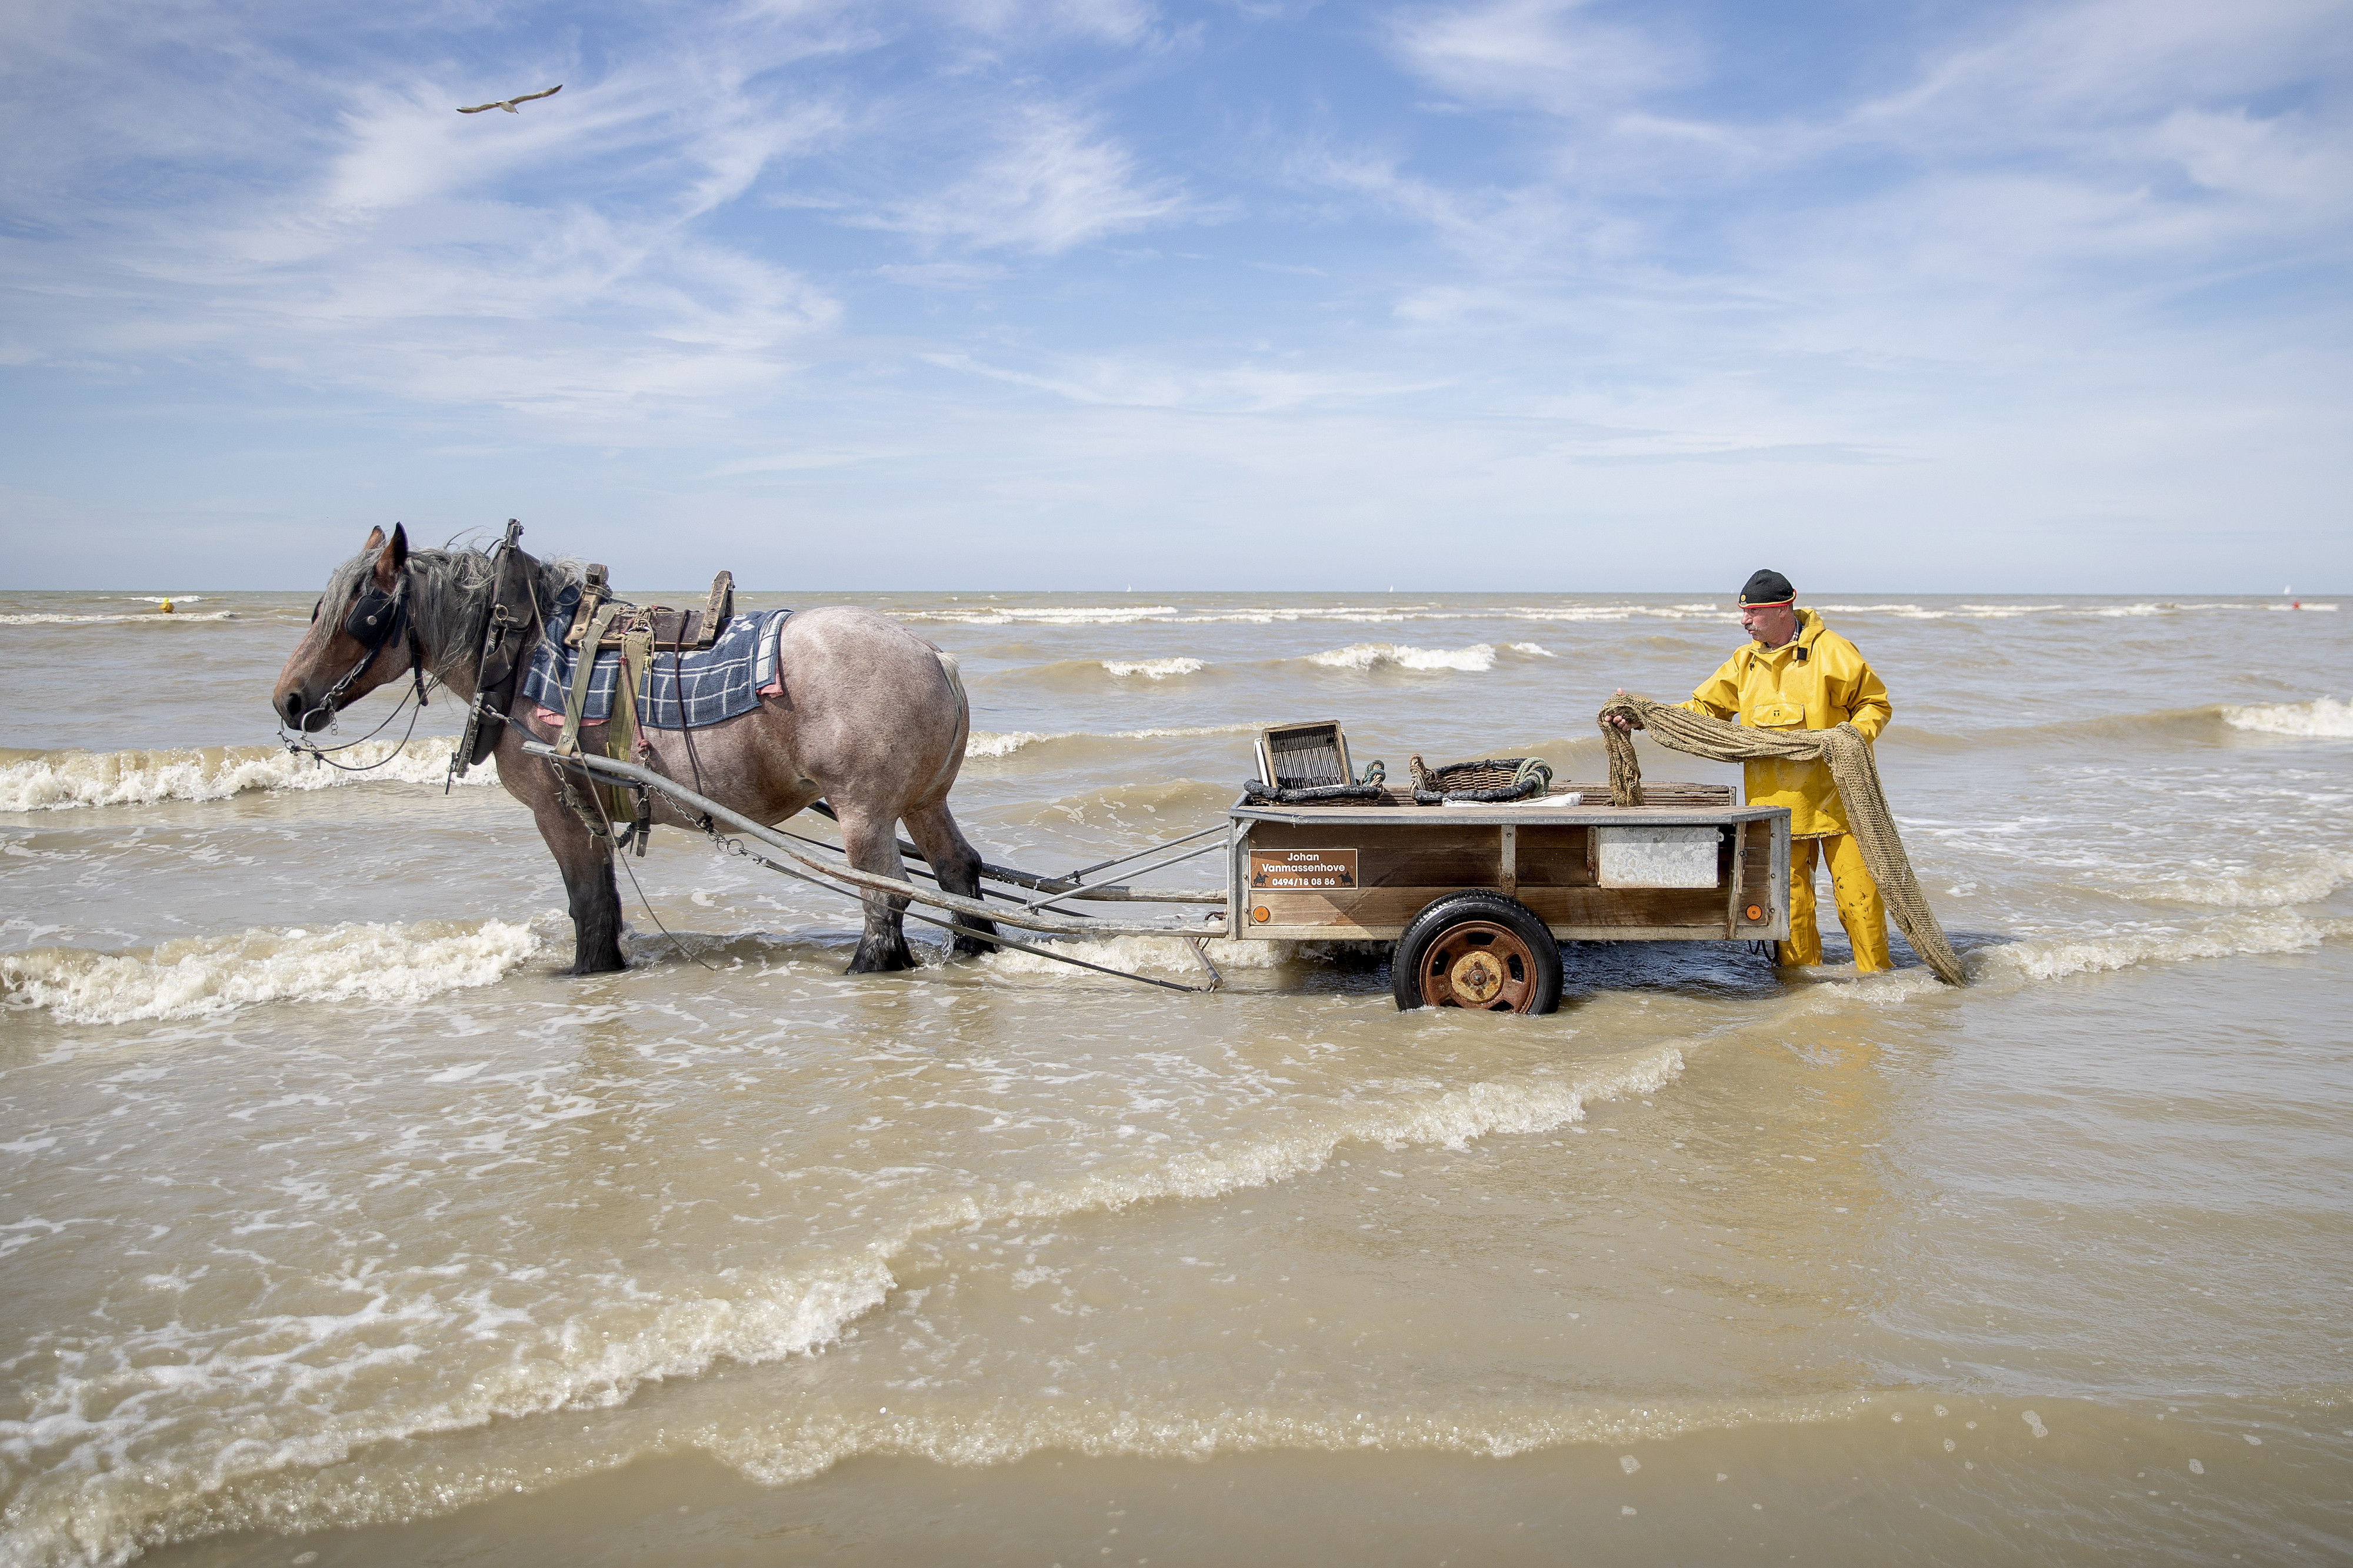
2122,947
2324,717
1153,668
984,743
281,1374
138,617
1371,656
50,781
199,976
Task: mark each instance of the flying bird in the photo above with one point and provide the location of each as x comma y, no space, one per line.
508,103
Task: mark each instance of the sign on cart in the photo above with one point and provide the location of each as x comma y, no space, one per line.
1303,871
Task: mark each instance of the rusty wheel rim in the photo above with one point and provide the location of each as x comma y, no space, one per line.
1480,965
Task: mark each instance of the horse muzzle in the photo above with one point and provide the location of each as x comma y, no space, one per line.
297,709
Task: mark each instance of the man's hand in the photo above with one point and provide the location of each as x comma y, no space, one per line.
1618,721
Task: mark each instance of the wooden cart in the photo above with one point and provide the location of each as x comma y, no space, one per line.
1479,897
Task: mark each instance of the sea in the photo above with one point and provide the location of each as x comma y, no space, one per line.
338,1227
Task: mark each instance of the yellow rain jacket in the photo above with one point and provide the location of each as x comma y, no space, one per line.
1774,689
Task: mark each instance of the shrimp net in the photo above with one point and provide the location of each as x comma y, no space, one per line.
1852,768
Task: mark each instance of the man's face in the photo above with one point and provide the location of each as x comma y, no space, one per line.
1771,625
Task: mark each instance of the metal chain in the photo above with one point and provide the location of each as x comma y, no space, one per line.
303,746
735,845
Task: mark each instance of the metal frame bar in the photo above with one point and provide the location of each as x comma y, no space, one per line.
1048,899
891,886
1072,877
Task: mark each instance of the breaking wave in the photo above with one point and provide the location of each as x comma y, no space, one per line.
50,781
984,743
1570,612
2124,946
1372,656
203,975
1153,668
1040,615
2321,874
136,617
264,1469
2322,716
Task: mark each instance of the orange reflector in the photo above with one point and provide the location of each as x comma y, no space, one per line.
1258,914
1755,911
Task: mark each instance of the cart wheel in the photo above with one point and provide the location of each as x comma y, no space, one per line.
1480,951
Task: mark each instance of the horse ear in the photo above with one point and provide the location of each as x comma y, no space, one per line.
374,541
395,556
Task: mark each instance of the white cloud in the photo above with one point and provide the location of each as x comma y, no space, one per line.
1245,387
1547,54
1052,181
1115,21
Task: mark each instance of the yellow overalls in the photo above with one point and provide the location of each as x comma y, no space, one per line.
1814,681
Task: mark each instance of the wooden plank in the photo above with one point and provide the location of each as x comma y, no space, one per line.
1238,848
1388,909
1665,793
1711,932
1700,909
1730,877
1553,854
1404,854
1695,911
1756,886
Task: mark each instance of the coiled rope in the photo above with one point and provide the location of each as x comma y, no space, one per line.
1852,769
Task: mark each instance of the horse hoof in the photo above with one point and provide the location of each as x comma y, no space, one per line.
880,960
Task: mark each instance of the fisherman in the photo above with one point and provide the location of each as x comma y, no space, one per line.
1800,675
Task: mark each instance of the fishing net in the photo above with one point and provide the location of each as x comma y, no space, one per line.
1852,768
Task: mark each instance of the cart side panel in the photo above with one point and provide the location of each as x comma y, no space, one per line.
1410,855
1697,912
1757,891
1554,855
1403,866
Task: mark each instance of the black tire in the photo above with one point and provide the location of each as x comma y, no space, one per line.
1526,972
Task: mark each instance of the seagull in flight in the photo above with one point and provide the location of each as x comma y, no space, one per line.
508,103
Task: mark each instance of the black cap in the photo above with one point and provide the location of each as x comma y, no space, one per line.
1767,588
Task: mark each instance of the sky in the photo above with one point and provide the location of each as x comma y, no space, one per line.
1509,295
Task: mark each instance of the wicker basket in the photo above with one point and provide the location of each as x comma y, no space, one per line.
1489,779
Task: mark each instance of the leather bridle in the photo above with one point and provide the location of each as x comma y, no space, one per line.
376,619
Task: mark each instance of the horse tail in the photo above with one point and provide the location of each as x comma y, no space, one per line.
955,759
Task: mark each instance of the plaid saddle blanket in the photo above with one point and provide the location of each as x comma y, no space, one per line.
688,690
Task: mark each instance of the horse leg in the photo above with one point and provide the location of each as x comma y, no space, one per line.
957,866
873,845
587,867
595,909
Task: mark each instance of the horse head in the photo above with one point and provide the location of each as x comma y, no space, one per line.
355,642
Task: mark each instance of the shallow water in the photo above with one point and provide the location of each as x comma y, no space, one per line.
333,1221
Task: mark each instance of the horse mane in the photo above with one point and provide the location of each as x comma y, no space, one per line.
446,588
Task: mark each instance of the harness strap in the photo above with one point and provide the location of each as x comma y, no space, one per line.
583,671
625,740
506,629
575,703
637,669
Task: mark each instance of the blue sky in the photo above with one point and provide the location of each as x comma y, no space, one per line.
1507,294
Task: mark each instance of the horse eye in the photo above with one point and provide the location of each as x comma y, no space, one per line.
315,609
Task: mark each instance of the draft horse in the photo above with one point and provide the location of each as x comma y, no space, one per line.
871,719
